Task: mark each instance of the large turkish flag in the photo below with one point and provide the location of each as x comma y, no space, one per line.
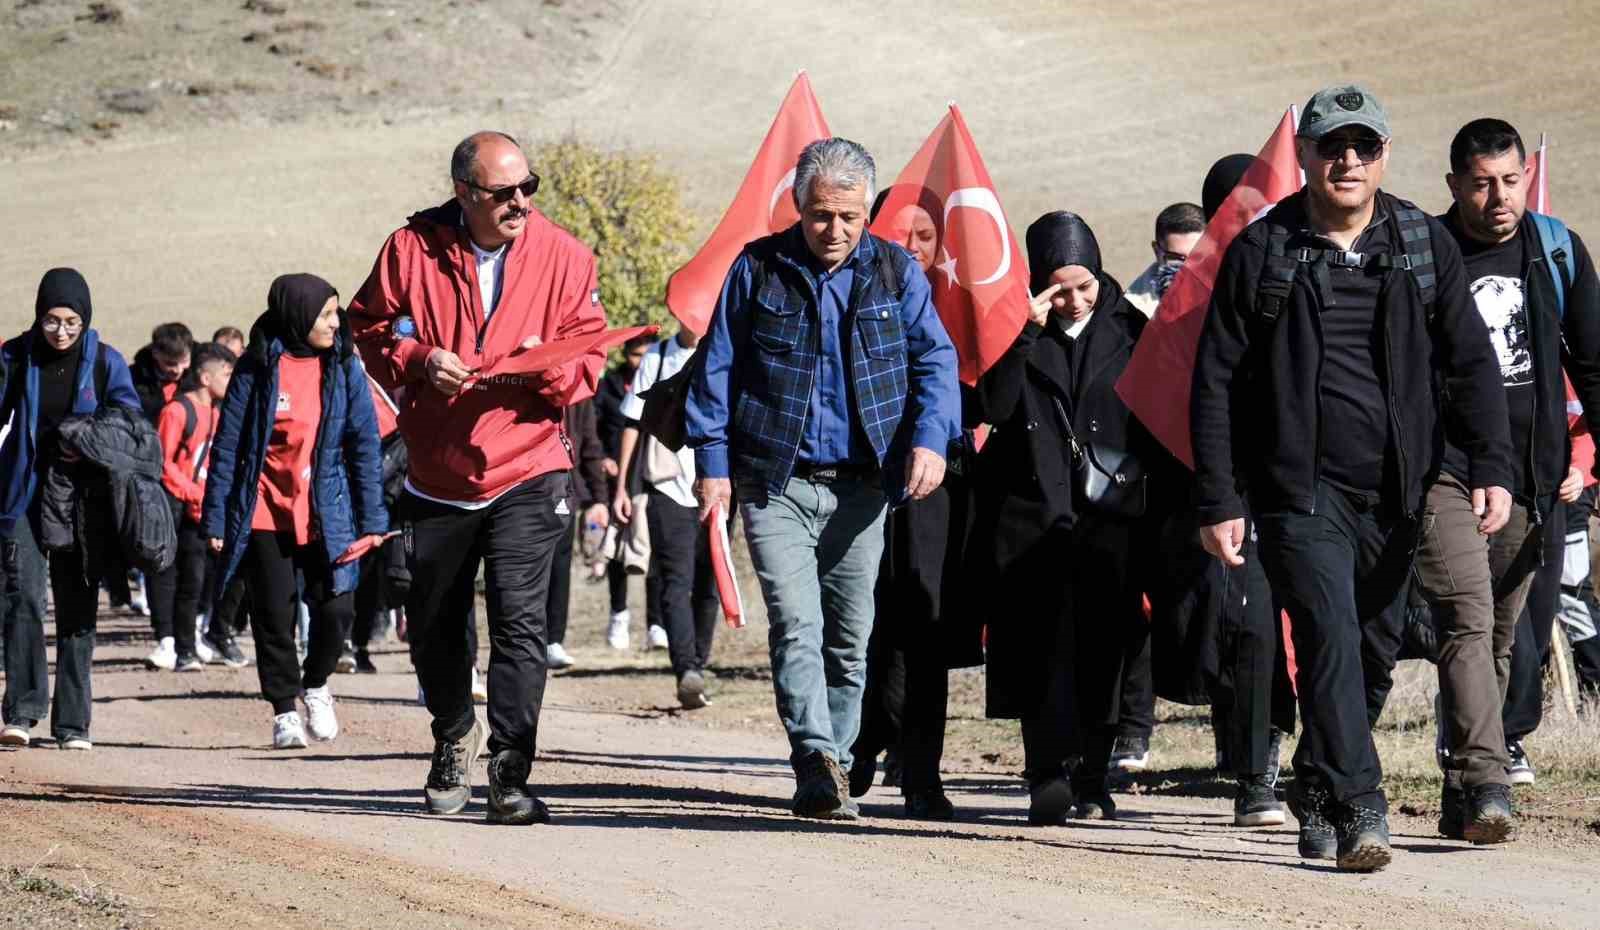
979,275
763,205
1583,448
1155,385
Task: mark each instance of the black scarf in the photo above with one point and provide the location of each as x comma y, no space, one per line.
1057,240
293,305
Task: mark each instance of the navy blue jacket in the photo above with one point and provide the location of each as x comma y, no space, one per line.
748,401
347,470
18,476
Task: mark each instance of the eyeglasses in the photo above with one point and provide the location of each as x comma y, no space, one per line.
52,325
504,194
1332,148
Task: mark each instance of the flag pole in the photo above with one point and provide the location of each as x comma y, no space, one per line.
1294,118
1542,194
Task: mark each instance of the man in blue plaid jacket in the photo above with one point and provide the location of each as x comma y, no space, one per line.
827,387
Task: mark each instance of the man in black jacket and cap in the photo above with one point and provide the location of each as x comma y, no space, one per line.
1334,321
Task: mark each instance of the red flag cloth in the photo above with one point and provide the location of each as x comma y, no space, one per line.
388,413
1155,385
363,546
722,567
559,352
979,275
763,205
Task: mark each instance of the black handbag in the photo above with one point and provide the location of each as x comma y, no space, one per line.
1112,482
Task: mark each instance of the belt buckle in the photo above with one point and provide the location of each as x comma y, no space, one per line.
825,475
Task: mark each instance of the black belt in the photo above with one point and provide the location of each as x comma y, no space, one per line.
838,471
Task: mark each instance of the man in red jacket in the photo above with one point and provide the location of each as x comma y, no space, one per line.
458,287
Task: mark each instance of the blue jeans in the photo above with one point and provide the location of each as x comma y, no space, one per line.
816,549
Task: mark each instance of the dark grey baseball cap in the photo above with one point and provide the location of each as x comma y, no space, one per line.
1345,105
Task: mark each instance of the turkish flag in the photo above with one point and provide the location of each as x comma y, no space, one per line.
1538,181
979,275
763,205
531,360
1155,385
722,569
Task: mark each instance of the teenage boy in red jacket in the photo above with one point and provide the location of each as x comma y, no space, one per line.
459,286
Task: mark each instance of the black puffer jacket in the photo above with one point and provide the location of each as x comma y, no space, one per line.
109,506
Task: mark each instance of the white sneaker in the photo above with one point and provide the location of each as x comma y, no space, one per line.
320,720
75,744
288,732
202,651
137,601
557,657
658,637
480,688
164,657
302,627
14,736
617,631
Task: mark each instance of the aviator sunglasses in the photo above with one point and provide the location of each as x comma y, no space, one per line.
503,194
1332,147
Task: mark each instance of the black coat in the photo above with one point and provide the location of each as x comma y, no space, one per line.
1057,578
109,507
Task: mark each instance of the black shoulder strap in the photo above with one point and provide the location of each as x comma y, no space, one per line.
1276,284
1417,246
102,375
191,418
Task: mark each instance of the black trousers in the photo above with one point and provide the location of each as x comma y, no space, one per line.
270,564
1136,716
559,602
175,593
903,705
680,556
1530,648
515,539
1341,574
369,600
22,610
617,582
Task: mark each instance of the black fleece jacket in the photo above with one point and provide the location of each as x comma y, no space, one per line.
1255,407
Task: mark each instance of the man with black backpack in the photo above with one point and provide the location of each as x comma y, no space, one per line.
1334,321
1535,287
826,388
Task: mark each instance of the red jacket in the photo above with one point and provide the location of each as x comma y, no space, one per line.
497,432
183,464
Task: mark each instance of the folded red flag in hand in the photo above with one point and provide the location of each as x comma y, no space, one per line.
548,355
722,567
363,546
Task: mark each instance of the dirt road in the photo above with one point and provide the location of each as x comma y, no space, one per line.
660,819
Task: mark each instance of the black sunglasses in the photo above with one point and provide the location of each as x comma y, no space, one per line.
503,194
1332,148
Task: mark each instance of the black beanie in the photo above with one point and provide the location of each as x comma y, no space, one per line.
1220,181
1056,240
63,287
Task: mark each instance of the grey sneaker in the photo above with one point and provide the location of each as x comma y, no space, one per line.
449,786
1363,834
1487,814
1310,805
510,801
692,690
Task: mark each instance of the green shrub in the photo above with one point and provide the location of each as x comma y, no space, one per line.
629,210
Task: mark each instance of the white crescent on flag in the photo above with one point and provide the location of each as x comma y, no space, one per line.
784,183
980,198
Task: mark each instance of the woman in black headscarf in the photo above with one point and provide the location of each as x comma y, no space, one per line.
295,483
56,369
1060,489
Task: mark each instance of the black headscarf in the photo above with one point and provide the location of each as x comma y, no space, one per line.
1220,181
1056,240
293,305
63,287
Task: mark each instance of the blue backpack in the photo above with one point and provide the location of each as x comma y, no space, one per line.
1556,241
